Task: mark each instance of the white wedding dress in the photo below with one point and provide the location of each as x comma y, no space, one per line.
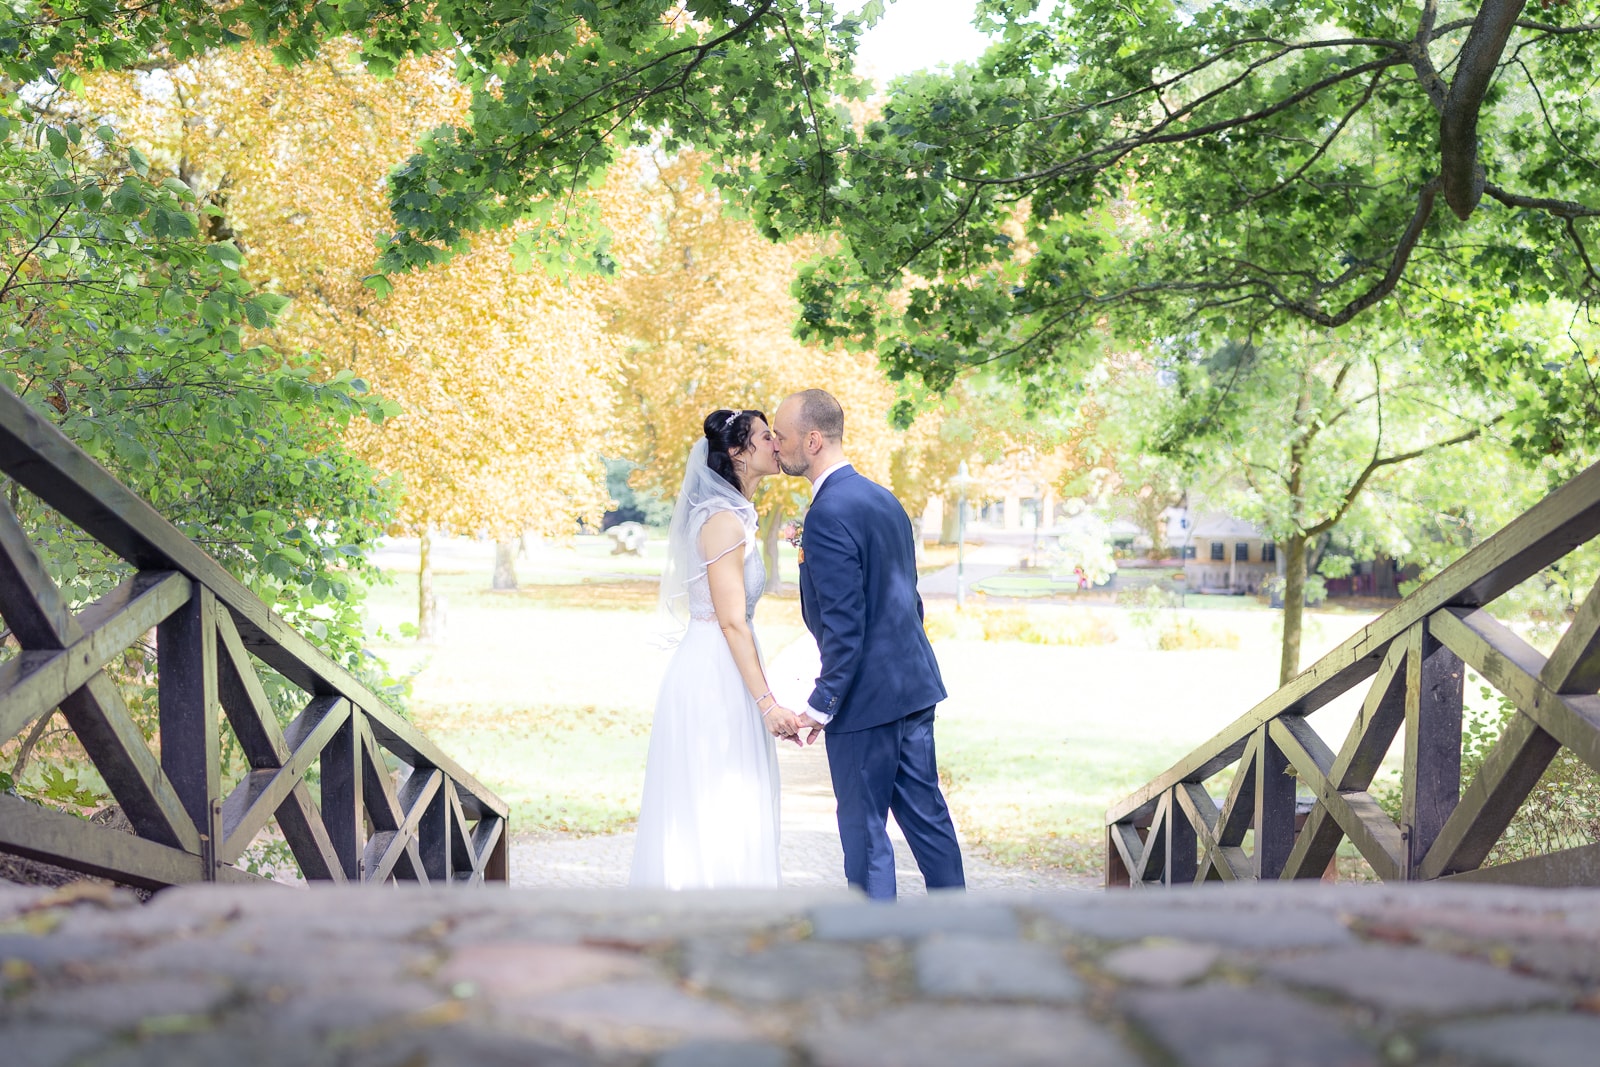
709,815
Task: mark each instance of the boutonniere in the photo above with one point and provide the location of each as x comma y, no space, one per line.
792,532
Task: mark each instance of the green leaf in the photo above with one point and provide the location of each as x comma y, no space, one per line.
226,253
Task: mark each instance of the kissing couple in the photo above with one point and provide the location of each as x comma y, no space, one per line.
709,816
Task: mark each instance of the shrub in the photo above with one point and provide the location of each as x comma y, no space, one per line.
1562,811
1144,603
1074,629
1187,634
939,626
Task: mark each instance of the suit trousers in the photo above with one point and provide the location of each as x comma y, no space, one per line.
891,768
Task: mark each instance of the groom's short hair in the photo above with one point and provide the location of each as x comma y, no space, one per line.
821,412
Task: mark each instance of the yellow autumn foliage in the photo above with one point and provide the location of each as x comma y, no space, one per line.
512,385
704,316
505,379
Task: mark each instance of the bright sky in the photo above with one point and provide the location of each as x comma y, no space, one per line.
918,34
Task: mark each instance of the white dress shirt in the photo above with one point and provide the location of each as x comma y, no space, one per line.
822,718
816,486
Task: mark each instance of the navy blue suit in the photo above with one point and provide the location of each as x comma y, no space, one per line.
879,681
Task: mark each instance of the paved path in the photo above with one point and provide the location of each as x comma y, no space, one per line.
1269,976
982,561
810,837
810,846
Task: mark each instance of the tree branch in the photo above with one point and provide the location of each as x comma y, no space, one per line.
1422,59
1377,464
698,51
1458,125
44,235
1284,49
1391,278
1563,209
811,107
1583,251
1551,28
1327,142
1108,155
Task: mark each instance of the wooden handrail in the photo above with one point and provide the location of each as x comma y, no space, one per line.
1409,649
209,626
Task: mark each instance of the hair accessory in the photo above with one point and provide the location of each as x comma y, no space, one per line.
729,421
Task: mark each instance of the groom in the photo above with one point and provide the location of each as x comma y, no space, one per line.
879,681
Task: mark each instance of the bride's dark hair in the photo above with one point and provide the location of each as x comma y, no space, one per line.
728,431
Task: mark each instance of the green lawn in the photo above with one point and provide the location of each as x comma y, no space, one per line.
546,695
1027,585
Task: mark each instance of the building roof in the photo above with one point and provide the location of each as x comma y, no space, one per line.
1221,524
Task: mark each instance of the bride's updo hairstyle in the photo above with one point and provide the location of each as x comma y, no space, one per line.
726,432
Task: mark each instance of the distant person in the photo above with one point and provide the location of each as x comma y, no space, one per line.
1083,579
709,815
880,682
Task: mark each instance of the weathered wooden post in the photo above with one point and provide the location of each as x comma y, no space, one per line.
186,656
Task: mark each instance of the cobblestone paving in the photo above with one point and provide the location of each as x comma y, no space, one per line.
810,846
1302,976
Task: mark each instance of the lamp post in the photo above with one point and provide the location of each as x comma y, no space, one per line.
961,481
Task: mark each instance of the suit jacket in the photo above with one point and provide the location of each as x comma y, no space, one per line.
858,595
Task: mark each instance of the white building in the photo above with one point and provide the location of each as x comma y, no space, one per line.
1227,555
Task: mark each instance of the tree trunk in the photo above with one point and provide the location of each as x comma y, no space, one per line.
1294,605
427,605
770,548
30,742
1294,564
505,570
950,524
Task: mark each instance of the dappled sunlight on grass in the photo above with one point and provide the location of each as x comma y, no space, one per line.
568,768
1037,741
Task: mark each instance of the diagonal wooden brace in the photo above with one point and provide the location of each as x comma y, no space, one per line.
37,615
37,682
263,792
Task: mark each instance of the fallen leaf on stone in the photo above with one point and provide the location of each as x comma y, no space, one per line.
95,893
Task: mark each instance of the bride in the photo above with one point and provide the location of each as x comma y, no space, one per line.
709,814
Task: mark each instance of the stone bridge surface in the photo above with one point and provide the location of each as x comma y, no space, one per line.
1257,976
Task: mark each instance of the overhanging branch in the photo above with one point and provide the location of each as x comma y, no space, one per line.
1391,278
1458,125
1563,209
1378,463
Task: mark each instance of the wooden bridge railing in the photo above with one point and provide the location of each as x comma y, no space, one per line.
1173,831
440,825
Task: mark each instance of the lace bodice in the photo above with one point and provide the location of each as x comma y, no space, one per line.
755,581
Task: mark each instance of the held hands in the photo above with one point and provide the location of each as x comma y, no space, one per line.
816,728
781,722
